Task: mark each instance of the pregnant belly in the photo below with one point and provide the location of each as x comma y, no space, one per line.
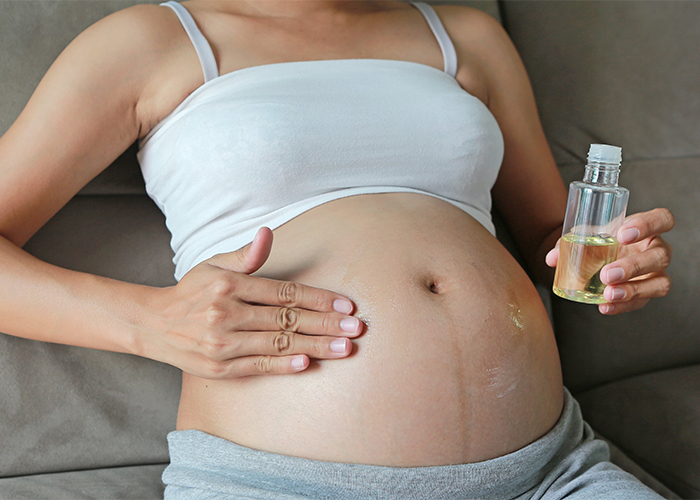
457,364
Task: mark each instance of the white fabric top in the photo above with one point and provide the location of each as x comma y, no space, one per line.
262,145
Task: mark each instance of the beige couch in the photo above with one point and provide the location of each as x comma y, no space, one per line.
76,423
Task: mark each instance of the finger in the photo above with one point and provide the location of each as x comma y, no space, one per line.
552,257
262,365
255,254
654,259
291,319
257,353
284,343
256,290
645,224
656,285
622,307
248,259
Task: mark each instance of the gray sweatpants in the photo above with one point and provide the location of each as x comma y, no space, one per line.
567,462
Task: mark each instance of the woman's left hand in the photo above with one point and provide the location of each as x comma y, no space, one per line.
639,273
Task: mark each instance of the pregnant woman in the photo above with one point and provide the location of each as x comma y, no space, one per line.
347,324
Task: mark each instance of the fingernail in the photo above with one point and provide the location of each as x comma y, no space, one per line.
340,345
614,293
615,274
298,362
629,235
342,306
350,325
607,308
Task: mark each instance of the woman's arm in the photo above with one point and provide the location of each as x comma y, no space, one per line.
86,111
531,196
529,193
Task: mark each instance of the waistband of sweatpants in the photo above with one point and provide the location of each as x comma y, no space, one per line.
205,463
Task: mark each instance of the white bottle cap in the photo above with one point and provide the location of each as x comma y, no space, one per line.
604,153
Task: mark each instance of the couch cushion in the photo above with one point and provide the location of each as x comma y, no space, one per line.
655,420
66,408
117,483
121,237
625,73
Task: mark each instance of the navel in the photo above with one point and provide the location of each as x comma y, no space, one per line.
436,285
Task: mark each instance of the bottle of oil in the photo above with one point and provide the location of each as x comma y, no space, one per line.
594,212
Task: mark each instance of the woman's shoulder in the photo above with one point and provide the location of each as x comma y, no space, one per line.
139,54
144,23
464,16
476,36
81,116
133,32
122,51
471,28
486,53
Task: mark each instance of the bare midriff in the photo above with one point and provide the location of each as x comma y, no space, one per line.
457,364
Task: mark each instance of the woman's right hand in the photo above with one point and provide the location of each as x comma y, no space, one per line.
219,322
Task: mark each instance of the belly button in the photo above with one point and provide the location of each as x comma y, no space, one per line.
435,286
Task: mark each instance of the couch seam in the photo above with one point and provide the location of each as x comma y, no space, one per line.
628,377
69,471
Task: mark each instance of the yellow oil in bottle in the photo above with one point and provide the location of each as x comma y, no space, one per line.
581,259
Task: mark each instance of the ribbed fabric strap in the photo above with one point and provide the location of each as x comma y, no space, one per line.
449,54
201,45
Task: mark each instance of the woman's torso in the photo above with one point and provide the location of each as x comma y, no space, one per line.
458,362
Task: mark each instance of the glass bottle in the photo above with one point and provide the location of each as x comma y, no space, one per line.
594,212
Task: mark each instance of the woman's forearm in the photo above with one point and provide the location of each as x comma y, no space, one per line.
44,302
218,322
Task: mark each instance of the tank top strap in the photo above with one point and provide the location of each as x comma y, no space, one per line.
449,54
201,45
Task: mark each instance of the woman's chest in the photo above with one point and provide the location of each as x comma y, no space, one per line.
291,130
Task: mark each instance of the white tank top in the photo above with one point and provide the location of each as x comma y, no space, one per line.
262,145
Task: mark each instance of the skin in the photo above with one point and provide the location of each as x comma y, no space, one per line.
225,319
